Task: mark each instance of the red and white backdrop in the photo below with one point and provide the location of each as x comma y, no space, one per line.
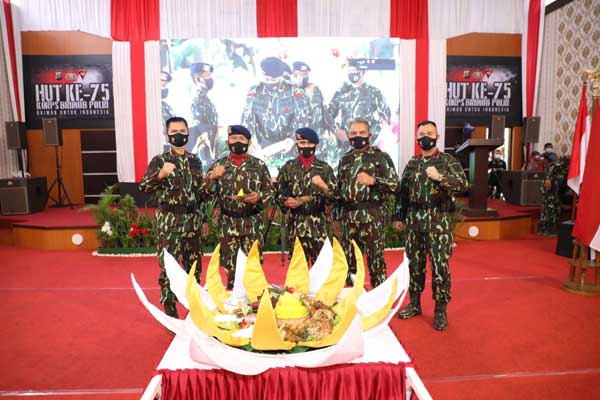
137,26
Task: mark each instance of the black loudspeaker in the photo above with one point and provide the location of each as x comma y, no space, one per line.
521,187
16,137
497,127
52,132
531,130
564,244
23,195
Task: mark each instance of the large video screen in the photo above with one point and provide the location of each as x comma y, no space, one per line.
274,86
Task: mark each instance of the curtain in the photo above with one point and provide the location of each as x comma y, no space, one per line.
408,19
276,18
437,87
344,18
547,101
123,116
183,19
153,99
456,17
8,158
407,123
91,16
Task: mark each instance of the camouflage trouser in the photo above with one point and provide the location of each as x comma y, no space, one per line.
371,241
439,248
311,245
550,214
186,248
229,250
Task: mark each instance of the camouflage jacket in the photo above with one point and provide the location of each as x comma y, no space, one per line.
557,174
239,218
426,205
274,115
181,188
296,181
352,197
204,113
365,101
315,110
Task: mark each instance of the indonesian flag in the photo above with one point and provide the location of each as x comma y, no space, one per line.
580,145
587,224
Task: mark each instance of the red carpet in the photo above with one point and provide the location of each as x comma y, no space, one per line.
73,323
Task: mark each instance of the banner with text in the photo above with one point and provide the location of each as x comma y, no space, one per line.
69,87
479,87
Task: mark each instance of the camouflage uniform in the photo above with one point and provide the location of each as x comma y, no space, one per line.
557,174
361,208
365,101
178,216
308,222
241,223
203,129
273,114
427,209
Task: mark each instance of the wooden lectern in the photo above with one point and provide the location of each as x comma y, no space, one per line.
478,150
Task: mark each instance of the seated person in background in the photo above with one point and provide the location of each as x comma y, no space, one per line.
549,154
494,167
536,163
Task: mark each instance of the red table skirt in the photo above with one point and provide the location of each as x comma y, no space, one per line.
346,381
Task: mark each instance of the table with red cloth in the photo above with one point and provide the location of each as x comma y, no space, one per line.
379,374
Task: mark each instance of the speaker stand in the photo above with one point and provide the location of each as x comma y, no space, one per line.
62,190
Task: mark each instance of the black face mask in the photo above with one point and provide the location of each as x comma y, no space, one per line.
164,92
302,82
238,148
358,142
354,77
306,151
209,83
426,143
178,139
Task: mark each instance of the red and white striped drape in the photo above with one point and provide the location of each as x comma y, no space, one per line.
137,25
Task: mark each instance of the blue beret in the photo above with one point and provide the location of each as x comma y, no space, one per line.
199,67
359,63
301,66
239,130
308,134
273,66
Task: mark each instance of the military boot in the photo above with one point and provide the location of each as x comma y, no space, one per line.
413,308
440,320
171,309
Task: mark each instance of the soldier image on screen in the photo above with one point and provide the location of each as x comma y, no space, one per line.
357,99
242,189
305,186
204,123
167,111
315,108
274,110
175,179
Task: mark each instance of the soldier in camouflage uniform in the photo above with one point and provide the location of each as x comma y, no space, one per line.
553,187
274,109
242,187
205,120
365,176
357,99
425,204
175,179
305,185
167,111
